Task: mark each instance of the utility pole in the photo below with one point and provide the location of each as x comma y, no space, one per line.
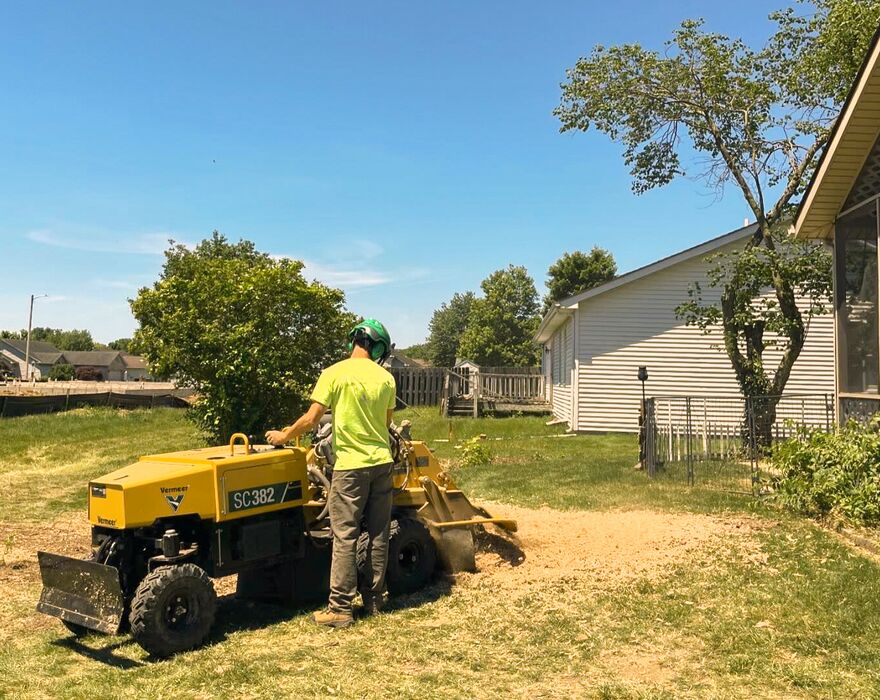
27,345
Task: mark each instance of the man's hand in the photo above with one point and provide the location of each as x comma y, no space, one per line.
276,437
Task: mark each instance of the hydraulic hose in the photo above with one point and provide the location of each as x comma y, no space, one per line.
325,482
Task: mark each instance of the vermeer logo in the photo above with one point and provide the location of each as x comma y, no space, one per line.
174,501
106,521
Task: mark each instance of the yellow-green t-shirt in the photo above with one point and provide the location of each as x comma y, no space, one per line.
359,392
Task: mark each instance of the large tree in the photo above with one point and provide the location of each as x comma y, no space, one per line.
577,272
503,321
63,340
247,331
753,118
446,328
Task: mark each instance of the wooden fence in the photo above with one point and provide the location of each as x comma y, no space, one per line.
430,386
419,386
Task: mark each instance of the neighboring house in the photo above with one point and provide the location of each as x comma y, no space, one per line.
595,342
109,363
42,357
842,205
135,368
398,359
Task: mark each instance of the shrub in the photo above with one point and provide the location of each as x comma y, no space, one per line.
835,476
89,374
62,373
475,453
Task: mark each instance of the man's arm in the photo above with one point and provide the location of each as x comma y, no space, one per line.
389,417
305,423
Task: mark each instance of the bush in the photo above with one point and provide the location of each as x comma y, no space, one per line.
475,453
835,476
62,373
89,374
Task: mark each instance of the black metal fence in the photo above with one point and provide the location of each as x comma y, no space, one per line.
724,442
13,406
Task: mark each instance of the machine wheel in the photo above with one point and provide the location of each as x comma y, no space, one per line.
173,609
412,556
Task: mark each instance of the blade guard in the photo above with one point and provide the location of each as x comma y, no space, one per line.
451,517
82,592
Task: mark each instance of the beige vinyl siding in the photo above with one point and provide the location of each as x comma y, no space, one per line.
635,325
562,361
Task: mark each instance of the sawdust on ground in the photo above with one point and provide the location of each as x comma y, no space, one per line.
602,548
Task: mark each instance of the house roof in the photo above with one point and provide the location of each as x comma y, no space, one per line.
91,358
562,310
407,360
851,141
47,358
37,346
134,361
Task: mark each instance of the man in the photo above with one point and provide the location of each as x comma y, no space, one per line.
362,396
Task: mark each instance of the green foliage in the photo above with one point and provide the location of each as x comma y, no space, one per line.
74,340
758,119
446,328
503,321
577,272
121,344
475,453
246,331
831,475
62,373
754,320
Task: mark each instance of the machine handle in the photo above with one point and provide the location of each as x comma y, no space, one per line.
244,439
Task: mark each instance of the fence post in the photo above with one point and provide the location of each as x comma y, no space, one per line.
650,431
753,440
475,388
689,442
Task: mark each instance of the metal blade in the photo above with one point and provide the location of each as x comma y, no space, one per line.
83,592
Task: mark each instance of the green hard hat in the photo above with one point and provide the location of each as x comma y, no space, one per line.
380,339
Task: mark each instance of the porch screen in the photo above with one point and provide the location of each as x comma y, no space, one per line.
856,300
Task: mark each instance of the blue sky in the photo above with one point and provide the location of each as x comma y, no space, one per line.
403,150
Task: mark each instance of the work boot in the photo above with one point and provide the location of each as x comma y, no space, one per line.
332,618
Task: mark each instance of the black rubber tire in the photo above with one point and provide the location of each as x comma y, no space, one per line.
412,556
157,626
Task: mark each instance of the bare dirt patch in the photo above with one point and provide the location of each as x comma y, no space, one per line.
602,548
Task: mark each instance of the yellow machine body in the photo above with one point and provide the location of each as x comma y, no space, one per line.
213,483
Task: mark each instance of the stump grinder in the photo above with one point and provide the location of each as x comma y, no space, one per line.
164,526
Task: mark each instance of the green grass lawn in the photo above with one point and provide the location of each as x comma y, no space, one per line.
786,610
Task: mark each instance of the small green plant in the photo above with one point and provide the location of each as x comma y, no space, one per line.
831,475
475,453
62,373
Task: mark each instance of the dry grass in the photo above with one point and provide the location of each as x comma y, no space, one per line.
630,601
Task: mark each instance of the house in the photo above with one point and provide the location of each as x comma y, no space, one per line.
595,342
135,368
109,363
42,357
841,206
398,359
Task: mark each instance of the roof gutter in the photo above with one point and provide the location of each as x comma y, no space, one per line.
555,317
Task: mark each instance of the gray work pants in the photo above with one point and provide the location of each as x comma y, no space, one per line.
357,495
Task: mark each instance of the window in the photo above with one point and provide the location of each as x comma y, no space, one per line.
858,354
559,356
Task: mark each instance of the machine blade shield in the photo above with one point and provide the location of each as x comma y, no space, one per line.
82,592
